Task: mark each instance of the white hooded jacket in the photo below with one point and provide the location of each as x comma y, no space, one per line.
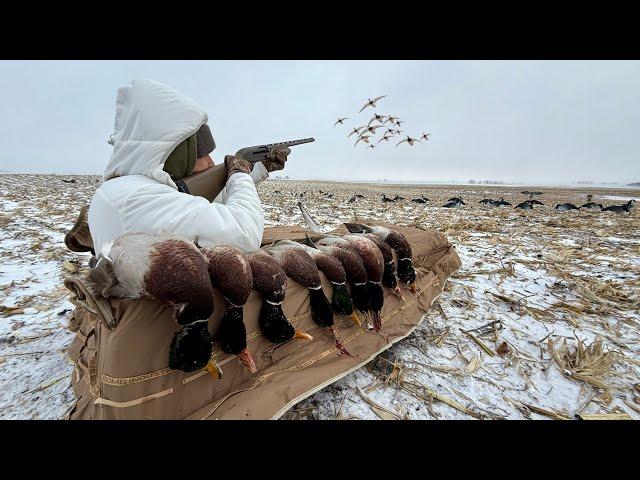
138,196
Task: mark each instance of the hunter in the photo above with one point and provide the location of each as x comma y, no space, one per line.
162,136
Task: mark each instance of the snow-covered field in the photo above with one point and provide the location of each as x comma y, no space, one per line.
543,277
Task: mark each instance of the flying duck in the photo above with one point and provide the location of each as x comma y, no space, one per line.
230,272
566,206
171,270
398,242
377,118
371,103
355,130
371,129
340,121
409,140
364,138
425,136
299,265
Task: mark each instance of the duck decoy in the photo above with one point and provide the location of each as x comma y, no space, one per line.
455,202
398,197
386,199
171,270
566,206
498,203
591,206
299,265
617,208
230,272
398,242
371,102
526,205
484,201
422,199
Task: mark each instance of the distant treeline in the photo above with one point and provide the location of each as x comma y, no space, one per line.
486,182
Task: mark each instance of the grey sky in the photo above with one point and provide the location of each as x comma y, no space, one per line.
522,121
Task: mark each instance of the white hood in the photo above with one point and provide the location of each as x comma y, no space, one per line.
151,120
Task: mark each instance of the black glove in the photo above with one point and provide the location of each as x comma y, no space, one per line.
276,159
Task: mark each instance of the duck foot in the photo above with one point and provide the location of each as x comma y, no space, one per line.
367,317
247,360
214,369
413,287
339,345
302,335
377,322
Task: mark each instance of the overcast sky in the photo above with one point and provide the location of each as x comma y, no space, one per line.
514,121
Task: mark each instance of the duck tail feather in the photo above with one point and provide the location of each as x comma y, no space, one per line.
313,226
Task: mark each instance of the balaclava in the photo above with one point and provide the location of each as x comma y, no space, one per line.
182,160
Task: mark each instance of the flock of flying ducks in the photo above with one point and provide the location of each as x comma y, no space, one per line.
365,133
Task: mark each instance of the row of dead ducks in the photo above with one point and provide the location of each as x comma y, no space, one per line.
182,275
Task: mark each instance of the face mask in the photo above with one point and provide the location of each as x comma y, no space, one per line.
182,160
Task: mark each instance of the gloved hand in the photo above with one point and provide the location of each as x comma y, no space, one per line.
276,159
235,165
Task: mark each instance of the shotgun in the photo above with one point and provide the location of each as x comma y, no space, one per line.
209,184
